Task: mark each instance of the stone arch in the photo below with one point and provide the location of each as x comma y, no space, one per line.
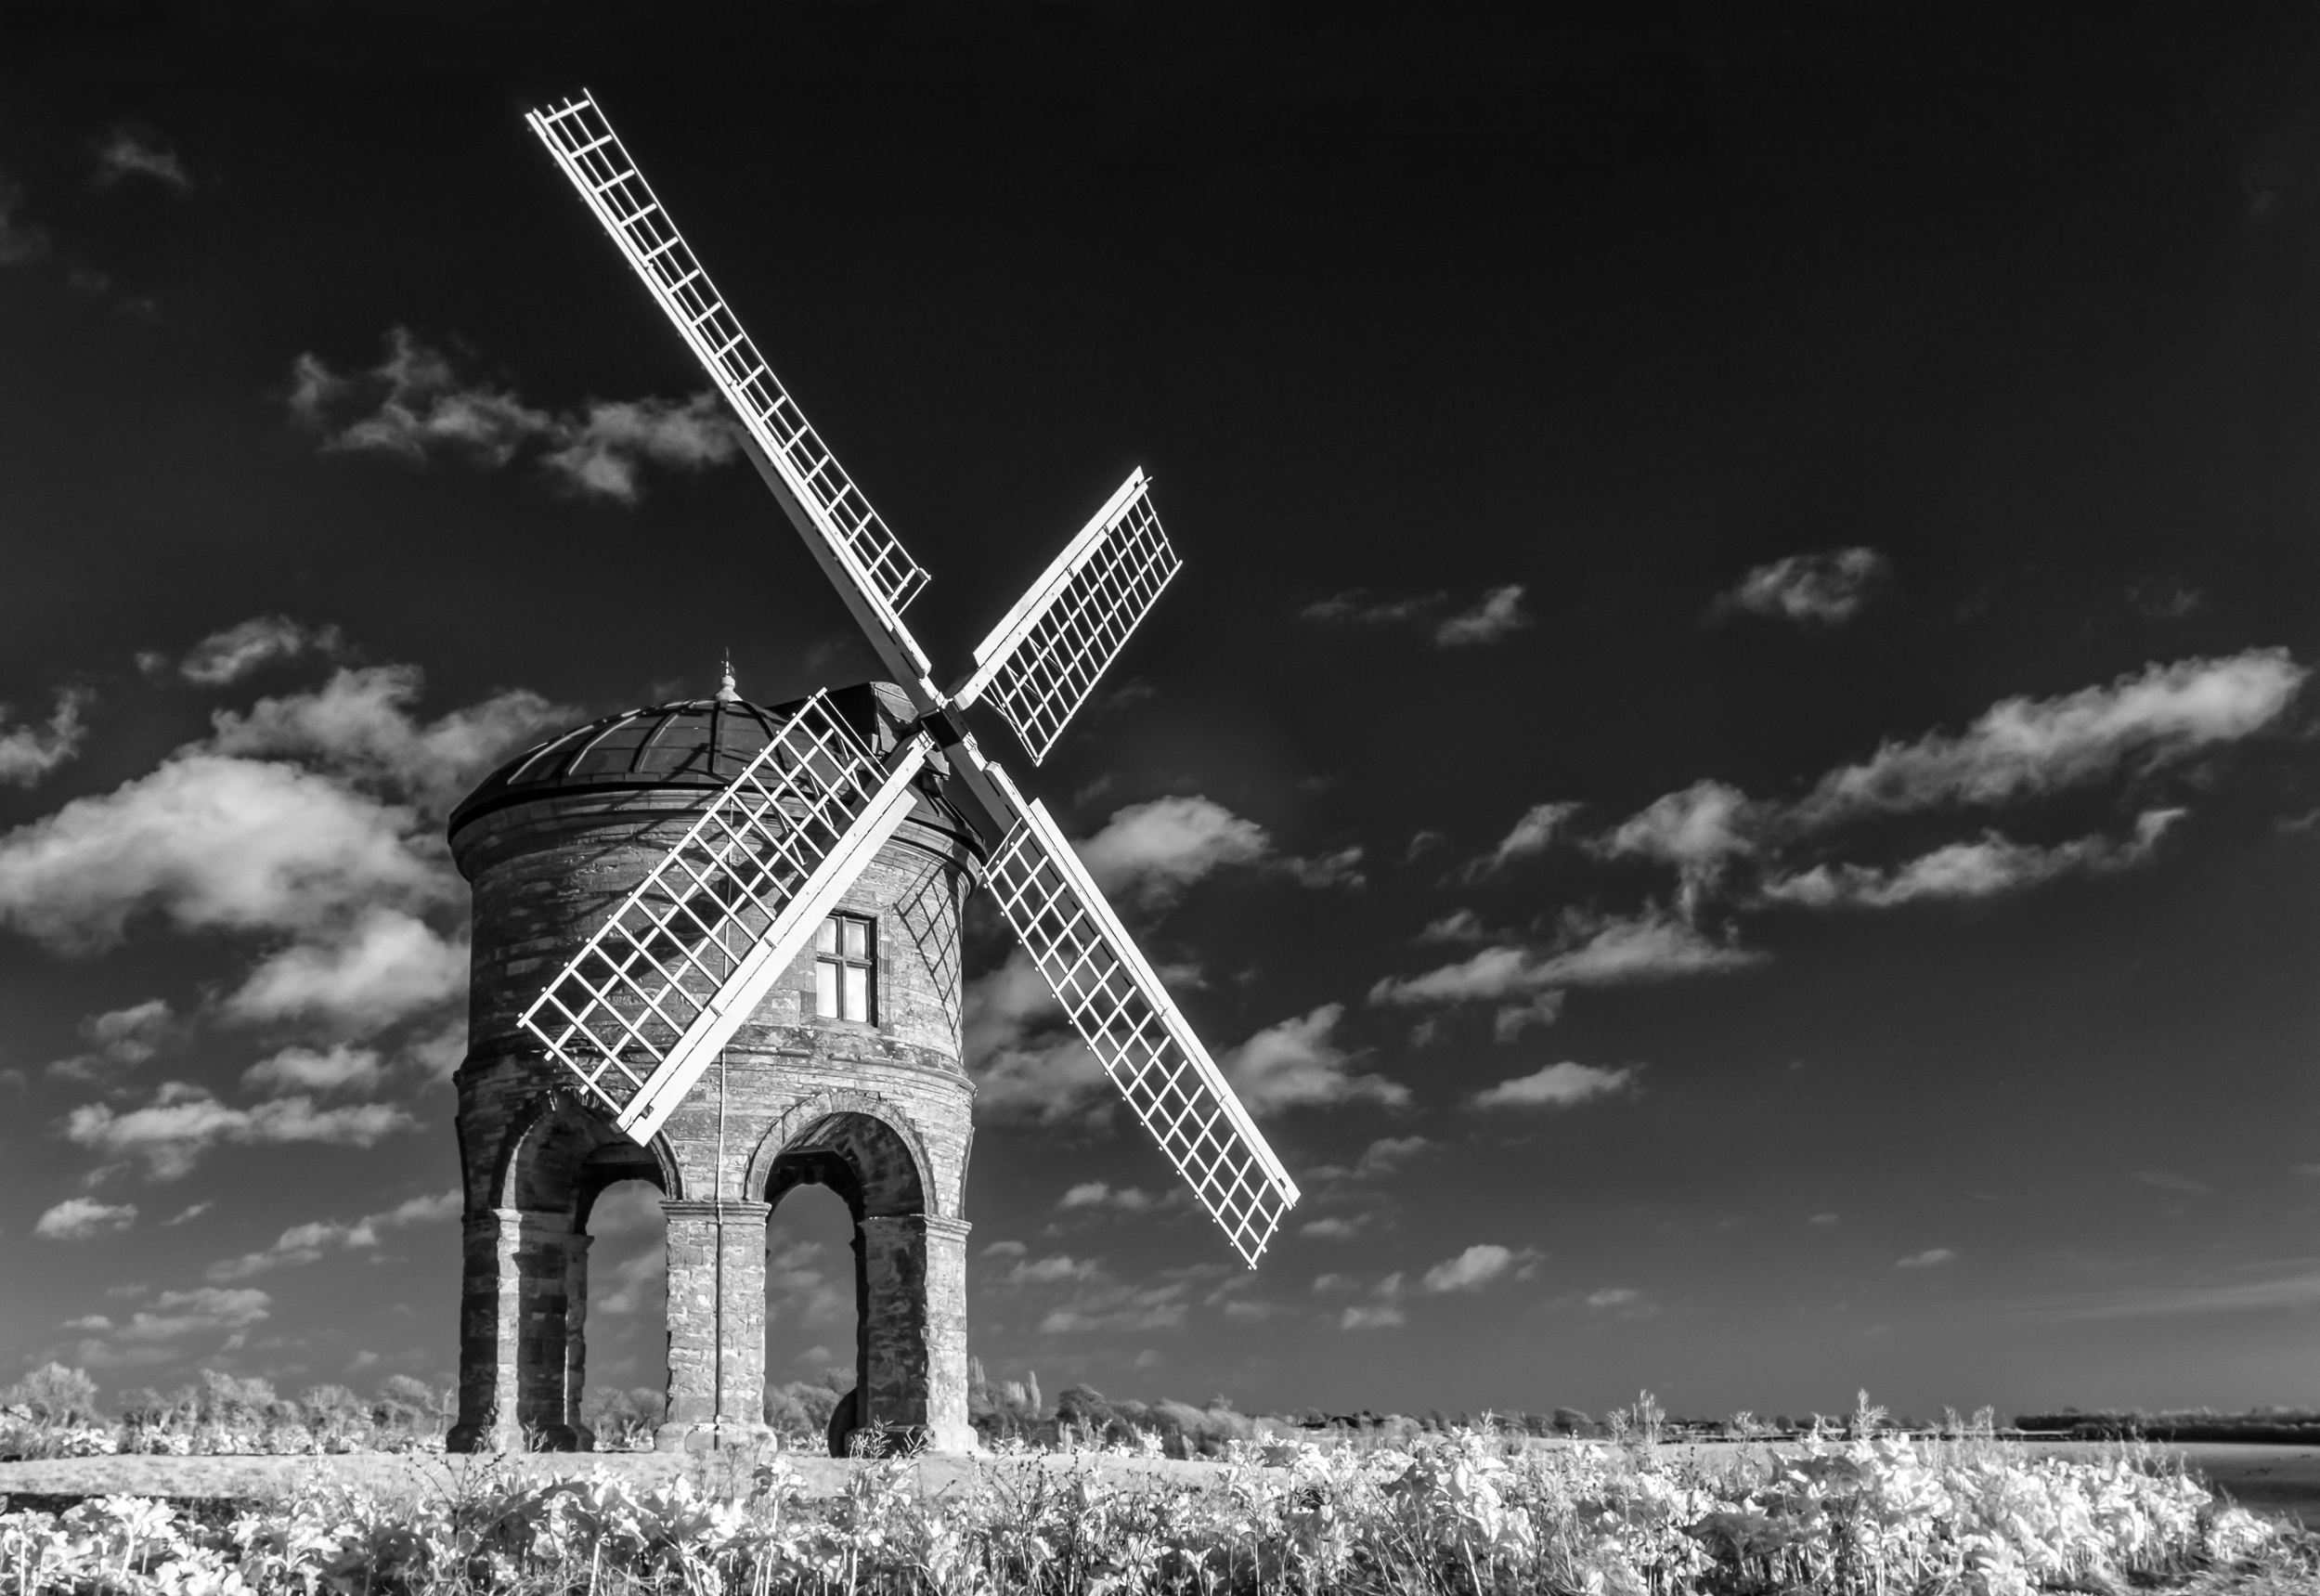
885,1159
554,1146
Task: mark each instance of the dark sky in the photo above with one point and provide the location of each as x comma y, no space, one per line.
1730,769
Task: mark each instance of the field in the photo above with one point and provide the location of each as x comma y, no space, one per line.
226,1488
1468,1511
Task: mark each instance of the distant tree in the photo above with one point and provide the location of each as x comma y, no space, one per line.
55,1393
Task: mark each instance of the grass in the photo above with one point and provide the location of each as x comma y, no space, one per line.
1471,1510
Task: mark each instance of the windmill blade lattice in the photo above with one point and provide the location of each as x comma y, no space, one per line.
664,982
592,157
1040,664
1128,1021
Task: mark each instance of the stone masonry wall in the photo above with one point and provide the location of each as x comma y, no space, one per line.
889,1100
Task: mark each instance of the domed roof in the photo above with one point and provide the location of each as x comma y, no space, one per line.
694,743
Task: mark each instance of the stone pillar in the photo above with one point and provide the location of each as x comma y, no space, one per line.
575,1340
715,1326
914,1324
512,1332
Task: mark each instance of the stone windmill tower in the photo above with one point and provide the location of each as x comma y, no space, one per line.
715,947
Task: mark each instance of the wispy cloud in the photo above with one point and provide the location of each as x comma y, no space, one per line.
28,753
227,657
182,1121
1025,1059
1931,1258
127,152
2022,746
1098,1195
1533,834
119,1040
1825,589
1528,981
81,1218
1561,1086
1983,868
19,240
1486,1264
1498,615
1151,853
1298,1063
415,405
2291,1285
2020,749
2167,1180
310,1243
1495,614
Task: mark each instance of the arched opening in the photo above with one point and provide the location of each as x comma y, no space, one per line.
857,1163
618,1336
812,1312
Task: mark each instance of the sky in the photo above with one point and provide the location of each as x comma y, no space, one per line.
1731,772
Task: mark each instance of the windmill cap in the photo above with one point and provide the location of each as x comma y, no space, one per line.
696,742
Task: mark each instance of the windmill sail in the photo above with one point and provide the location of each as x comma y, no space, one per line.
640,1011
591,156
1129,1022
1038,665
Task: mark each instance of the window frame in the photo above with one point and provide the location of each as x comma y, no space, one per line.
842,964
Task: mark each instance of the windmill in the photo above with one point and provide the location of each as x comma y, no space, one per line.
642,1010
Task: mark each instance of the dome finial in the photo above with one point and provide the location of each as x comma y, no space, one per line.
726,693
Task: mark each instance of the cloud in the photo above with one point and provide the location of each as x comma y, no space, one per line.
28,753
1482,1264
1614,1297
1556,1086
1151,853
1098,1194
1931,1258
360,725
227,657
1495,614
1336,1227
1825,589
1296,1063
1023,1056
2292,1285
183,1121
1695,830
1649,947
1459,925
1532,835
384,965
1342,868
126,153
1498,615
416,406
79,1218
1968,870
1385,1317
204,1308
122,1039
2022,746
187,1214
606,446
1822,1219
1354,607
209,843
310,1243
19,240
341,1068
2167,1180
1052,1270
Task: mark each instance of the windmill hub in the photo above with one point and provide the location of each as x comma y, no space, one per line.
869,1100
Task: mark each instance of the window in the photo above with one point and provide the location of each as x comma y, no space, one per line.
844,966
